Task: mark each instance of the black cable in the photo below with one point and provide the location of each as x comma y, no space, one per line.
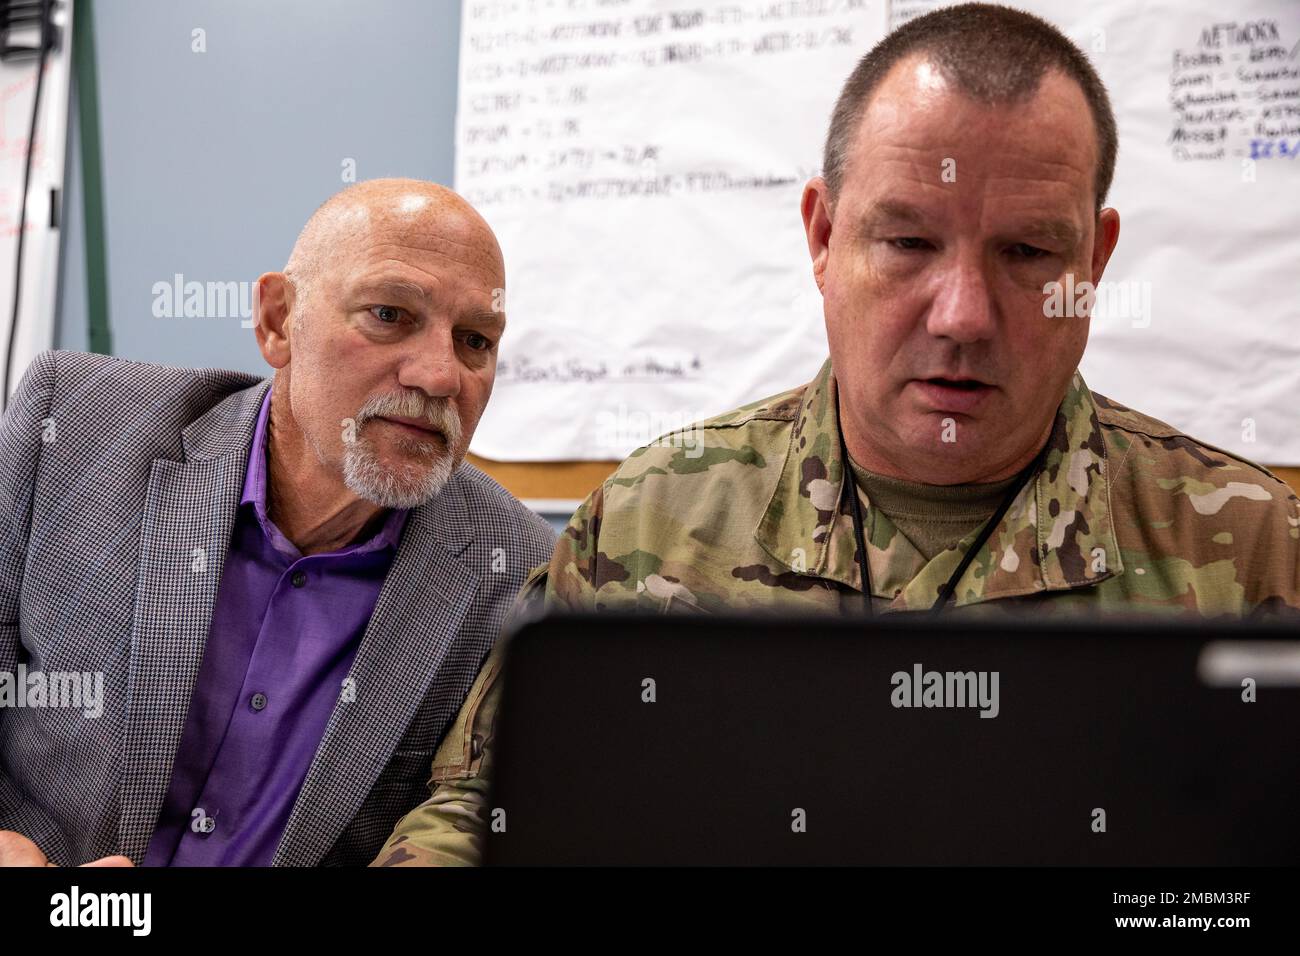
859,535
45,44
986,532
950,586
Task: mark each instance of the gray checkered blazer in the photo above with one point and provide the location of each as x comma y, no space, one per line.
112,473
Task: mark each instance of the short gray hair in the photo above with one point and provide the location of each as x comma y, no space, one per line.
991,53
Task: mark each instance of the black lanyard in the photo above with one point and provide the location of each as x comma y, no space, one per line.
860,538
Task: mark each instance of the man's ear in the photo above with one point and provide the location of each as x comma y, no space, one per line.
272,306
1104,240
816,209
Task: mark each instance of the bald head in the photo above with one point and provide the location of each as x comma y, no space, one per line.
383,329
426,212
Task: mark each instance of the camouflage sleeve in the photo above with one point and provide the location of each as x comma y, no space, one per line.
574,575
1277,595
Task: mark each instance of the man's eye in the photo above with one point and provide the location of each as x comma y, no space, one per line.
479,343
387,314
908,243
1023,250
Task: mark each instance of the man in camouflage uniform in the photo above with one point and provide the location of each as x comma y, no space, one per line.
953,389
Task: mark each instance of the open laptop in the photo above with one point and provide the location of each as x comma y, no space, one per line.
681,740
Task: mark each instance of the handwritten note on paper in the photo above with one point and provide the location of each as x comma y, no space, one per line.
641,162
1208,103
1236,92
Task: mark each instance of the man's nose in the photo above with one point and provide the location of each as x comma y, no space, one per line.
963,308
430,364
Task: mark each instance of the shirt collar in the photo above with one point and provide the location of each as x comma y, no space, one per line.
1056,535
255,491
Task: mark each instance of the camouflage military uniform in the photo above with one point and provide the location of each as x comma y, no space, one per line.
745,512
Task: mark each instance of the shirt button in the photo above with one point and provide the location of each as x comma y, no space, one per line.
299,579
206,824
258,701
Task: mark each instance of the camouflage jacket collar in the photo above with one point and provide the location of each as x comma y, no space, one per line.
1057,534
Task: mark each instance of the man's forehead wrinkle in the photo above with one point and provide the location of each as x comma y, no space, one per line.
426,287
434,242
1036,184
927,157
382,266
433,236
466,262
892,209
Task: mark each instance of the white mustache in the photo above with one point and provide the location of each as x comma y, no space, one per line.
437,413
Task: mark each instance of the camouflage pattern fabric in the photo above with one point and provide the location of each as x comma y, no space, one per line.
745,512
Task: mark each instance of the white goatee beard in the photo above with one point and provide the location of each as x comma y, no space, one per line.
407,485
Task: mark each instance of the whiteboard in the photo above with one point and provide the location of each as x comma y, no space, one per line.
35,331
642,167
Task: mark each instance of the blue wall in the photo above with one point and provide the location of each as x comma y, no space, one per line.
213,161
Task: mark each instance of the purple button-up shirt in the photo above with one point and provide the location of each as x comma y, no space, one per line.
285,629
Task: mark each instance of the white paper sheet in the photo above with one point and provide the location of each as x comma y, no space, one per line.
642,165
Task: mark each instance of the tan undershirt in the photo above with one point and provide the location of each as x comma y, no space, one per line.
932,517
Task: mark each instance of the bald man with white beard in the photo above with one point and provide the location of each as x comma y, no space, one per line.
287,585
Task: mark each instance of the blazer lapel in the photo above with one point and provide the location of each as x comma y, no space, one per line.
416,619
189,513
